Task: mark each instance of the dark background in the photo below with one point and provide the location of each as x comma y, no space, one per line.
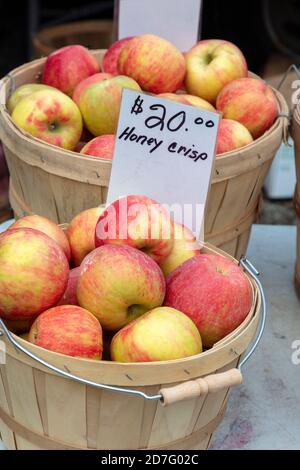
246,23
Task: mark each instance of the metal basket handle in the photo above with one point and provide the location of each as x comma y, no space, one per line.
187,390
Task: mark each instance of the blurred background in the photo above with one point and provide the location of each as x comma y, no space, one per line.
267,31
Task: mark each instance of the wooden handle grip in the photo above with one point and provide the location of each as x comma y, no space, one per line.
199,387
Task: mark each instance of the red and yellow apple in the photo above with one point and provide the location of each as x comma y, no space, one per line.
100,104
118,284
188,99
70,295
101,146
137,221
111,56
81,233
210,65
33,273
68,66
213,291
97,78
70,330
185,247
162,334
23,91
251,102
51,116
232,135
156,64
46,226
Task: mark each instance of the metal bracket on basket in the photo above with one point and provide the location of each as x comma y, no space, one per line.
172,394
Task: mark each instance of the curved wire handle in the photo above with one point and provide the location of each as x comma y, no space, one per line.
244,262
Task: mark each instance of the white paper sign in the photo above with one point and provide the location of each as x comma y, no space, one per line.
165,150
175,20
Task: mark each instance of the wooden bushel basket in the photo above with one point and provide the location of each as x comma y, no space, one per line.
59,184
296,137
40,409
93,34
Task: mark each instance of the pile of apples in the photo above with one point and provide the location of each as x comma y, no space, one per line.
124,283
76,105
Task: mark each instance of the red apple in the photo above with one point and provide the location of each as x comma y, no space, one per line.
46,226
188,99
33,273
162,334
97,78
118,284
232,135
210,65
156,64
251,102
111,57
102,147
213,291
70,330
81,233
68,66
70,295
137,221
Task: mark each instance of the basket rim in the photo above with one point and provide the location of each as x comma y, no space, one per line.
228,345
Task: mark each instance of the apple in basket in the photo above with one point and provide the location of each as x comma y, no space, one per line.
137,221
33,273
23,91
185,247
46,226
100,104
211,64
111,57
97,78
101,146
162,334
70,330
68,66
50,115
232,135
118,284
81,233
188,99
213,291
156,64
251,102
70,295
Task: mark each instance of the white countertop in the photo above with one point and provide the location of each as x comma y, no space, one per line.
264,413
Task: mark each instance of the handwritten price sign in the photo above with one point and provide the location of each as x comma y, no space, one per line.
164,150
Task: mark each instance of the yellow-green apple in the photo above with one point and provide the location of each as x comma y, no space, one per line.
162,334
100,104
51,116
70,330
188,99
118,284
137,221
23,91
210,65
70,295
101,146
25,336
111,56
81,233
68,66
33,273
185,247
97,78
213,291
156,64
232,135
46,226
251,102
